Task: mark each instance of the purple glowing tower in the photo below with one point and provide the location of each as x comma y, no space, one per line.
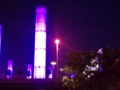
40,43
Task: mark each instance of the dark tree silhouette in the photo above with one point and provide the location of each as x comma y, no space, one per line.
93,71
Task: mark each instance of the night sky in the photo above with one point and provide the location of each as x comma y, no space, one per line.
79,24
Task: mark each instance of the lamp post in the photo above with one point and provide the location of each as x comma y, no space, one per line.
53,64
57,43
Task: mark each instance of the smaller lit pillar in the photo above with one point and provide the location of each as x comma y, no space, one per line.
29,71
53,65
10,69
51,74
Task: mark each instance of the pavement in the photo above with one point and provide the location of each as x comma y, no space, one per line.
31,84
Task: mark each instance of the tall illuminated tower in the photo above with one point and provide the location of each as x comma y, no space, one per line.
40,43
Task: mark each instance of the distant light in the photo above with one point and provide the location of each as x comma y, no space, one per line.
100,51
97,66
84,73
61,69
53,63
92,74
89,76
57,41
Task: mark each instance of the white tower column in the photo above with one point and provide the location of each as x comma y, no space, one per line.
40,43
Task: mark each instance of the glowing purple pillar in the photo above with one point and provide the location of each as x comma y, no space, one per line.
40,43
9,69
29,71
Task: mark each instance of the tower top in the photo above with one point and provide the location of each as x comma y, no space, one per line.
41,9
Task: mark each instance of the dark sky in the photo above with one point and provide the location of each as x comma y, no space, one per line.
79,24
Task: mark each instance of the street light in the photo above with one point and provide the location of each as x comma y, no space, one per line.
57,43
53,64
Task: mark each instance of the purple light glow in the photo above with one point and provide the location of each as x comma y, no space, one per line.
40,43
29,69
10,67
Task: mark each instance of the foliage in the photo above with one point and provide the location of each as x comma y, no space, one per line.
98,70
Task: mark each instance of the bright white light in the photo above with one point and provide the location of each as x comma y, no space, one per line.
57,41
53,63
89,76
